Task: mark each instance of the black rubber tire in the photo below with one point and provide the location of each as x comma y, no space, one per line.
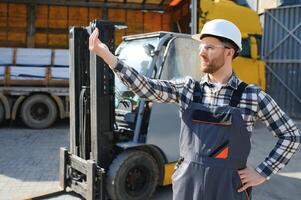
38,111
133,175
2,113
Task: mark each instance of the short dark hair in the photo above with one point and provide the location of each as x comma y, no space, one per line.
226,41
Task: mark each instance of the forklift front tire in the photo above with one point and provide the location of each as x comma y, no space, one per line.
133,175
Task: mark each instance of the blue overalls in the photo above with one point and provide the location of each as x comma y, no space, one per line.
214,145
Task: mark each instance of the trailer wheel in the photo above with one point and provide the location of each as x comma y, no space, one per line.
2,113
133,175
38,111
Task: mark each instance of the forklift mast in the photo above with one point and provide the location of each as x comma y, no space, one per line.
92,114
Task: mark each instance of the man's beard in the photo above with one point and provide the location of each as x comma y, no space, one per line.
213,66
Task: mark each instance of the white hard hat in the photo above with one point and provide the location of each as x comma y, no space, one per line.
221,28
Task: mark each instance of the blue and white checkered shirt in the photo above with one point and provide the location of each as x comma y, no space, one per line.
255,104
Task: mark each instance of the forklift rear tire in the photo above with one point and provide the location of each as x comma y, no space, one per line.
133,175
38,111
1,113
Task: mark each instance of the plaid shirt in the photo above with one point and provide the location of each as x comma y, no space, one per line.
255,104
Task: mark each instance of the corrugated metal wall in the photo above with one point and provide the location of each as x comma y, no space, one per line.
282,54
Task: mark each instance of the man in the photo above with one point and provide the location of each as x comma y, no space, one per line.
218,114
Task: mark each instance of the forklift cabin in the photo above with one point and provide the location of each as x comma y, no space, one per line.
123,146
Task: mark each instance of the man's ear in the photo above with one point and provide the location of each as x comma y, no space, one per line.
231,52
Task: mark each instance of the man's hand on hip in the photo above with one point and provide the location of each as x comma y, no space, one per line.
249,178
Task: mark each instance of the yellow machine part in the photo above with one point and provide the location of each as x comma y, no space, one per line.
246,19
168,171
251,71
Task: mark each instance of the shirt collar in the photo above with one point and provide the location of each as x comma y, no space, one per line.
232,82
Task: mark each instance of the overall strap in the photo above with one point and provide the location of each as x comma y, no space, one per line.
236,96
197,93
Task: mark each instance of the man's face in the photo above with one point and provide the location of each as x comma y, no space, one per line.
212,54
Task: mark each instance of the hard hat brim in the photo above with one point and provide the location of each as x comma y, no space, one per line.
197,37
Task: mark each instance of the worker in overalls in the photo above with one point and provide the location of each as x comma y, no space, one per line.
218,115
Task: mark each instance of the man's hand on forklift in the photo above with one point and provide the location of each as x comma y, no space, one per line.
100,49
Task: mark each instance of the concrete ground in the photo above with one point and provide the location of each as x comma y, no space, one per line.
29,162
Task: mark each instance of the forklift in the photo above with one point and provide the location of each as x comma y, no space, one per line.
123,146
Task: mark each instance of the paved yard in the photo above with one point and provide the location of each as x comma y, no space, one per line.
29,164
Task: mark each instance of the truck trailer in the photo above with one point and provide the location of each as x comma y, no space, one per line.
34,85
